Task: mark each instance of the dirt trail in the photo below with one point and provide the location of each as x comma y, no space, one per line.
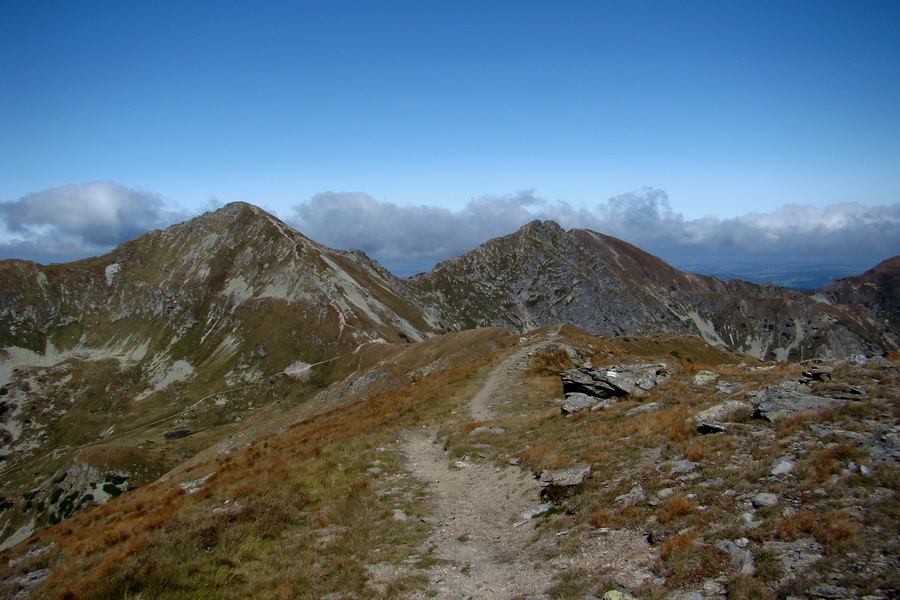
479,539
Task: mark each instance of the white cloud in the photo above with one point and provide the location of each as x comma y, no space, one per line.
849,232
75,221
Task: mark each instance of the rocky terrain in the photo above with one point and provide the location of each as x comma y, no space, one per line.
232,381
543,275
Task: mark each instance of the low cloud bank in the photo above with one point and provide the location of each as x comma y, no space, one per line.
398,236
75,221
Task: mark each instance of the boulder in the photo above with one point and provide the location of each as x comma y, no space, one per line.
485,429
617,595
741,558
704,377
781,401
885,445
566,477
722,411
644,408
534,511
817,373
795,558
725,387
684,466
708,427
614,381
783,466
633,497
577,402
764,499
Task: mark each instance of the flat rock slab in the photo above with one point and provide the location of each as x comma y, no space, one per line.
780,401
614,381
704,377
566,477
722,411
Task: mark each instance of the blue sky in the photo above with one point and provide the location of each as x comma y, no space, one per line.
729,108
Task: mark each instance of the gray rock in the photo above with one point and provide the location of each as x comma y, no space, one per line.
764,499
603,404
781,401
783,465
714,482
817,373
534,511
400,515
721,412
617,595
577,402
885,445
708,427
645,408
31,578
704,377
741,558
857,359
724,387
824,590
795,557
684,466
687,596
485,429
665,492
614,381
633,497
566,477
713,587
632,578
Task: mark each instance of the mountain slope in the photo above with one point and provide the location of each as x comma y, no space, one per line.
195,340
877,289
164,346
542,275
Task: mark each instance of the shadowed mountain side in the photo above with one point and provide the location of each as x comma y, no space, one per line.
877,289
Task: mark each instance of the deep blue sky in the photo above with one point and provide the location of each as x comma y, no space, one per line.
729,107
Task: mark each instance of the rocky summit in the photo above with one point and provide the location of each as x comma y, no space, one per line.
228,409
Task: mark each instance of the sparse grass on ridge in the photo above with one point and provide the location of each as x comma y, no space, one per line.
295,515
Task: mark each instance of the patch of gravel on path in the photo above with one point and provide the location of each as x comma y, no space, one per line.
481,552
482,547
504,376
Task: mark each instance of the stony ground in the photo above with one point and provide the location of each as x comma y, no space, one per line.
483,541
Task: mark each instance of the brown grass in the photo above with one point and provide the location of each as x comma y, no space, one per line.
675,507
835,530
678,545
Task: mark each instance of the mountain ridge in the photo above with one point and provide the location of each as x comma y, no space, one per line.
188,346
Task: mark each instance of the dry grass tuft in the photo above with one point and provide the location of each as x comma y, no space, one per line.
549,361
678,545
677,506
836,530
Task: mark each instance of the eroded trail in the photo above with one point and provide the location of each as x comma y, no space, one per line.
479,539
475,537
